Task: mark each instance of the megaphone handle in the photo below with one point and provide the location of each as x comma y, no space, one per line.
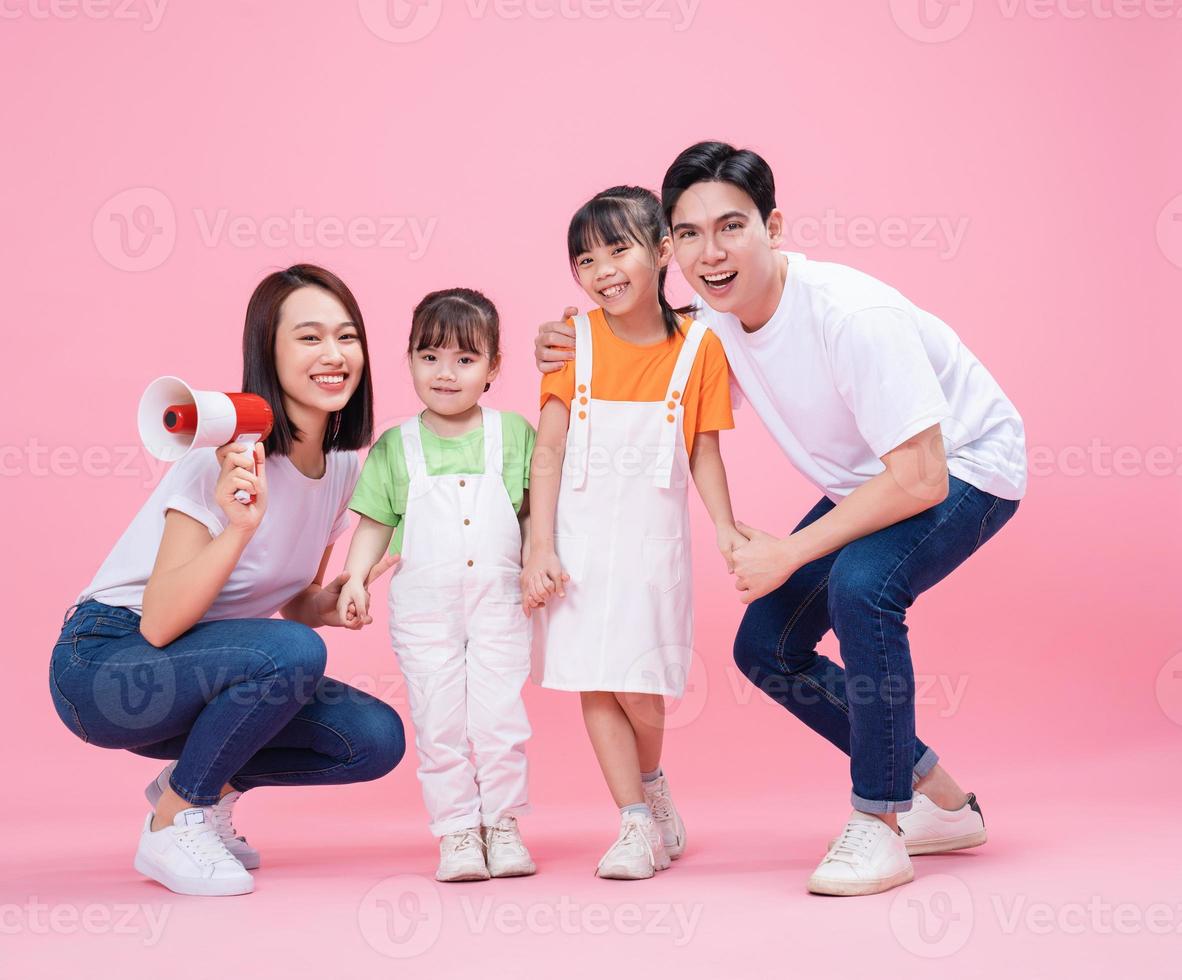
245,496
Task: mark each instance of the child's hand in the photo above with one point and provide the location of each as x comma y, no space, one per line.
730,538
353,605
541,577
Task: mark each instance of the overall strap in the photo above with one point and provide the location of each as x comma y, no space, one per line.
412,449
673,409
494,442
578,438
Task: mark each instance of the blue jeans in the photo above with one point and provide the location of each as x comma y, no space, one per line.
239,701
862,592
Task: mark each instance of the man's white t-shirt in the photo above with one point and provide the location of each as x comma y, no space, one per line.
847,369
303,517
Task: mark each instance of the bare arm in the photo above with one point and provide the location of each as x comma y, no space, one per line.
710,478
915,479
192,565
191,569
542,573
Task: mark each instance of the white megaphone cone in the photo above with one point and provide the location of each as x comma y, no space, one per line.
175,418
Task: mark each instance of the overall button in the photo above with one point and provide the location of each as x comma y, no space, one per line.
582,388
677,394
469,562
669,417
583,400
466,521
582,415
672,404
463,484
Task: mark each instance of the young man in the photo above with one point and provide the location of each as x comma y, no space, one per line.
921,459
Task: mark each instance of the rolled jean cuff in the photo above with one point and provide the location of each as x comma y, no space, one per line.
927,762
879,806
193,799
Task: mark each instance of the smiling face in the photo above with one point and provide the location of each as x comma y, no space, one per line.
449,379
318,354
622,277
726,251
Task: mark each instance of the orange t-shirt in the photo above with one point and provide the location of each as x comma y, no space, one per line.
624,372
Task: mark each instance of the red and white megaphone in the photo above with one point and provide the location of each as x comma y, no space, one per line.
174,418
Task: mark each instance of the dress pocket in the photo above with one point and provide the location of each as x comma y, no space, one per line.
572,553
663,558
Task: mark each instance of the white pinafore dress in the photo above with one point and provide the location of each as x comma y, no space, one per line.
622,534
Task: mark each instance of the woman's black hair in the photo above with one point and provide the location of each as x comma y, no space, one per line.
458,317
352,426
623,214
708,161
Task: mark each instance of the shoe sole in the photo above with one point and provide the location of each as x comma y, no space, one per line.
466,876
827,886
623,874
944,845
203,887
515,873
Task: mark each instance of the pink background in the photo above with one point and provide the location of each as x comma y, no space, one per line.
1047,133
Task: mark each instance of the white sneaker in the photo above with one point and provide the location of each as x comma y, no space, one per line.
930,829
867,857
223,819
506,852
461,857
189,857
637,853
665,815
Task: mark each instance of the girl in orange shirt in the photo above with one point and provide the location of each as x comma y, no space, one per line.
624,426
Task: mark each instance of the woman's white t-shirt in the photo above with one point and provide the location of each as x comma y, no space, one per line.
303,517
847,369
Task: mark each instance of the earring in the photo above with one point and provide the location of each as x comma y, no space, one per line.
487,385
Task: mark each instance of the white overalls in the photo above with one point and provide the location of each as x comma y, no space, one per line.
622,534
461,637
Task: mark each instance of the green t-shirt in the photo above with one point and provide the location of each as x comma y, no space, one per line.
384,483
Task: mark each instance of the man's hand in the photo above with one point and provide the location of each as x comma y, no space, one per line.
762,565
555,343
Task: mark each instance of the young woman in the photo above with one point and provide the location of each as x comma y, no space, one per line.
169,652
623,429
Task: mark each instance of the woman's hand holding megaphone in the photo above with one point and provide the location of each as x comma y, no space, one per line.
237,474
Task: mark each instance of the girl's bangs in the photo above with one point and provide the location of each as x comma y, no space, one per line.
601,222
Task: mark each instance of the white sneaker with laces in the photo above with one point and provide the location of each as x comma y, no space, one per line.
507,856
637,853
189,858
867,857
665,815
222,818
930,829
461,857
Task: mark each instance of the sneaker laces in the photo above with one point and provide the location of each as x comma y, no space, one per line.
660,803
203,844
632,836
463,840
505,835
222,817
853,844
